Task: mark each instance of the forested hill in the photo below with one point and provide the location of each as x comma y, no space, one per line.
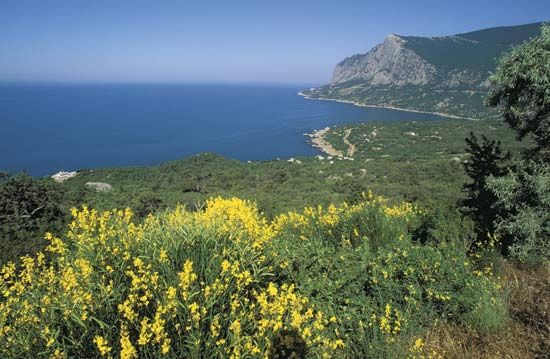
445,74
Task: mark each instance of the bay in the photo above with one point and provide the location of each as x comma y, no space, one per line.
45,128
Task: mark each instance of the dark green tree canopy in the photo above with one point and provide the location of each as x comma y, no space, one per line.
514,203
28,208
521,89
486,160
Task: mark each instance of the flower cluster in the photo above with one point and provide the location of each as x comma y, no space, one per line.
225,282
155,288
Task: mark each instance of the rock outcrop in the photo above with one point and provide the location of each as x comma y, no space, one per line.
444,74
99,186
62,176
388,63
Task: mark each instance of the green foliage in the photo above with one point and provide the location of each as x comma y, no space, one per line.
524,194
344,281
423,168
444,223
28,208
419,168
458,101
514,203
148,204
521,90
476,50
384,286
486,159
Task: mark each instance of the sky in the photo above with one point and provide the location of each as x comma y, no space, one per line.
282,41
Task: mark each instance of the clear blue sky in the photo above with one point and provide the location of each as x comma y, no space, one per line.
222,41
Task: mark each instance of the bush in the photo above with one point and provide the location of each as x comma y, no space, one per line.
525,195
343,281
179,285
515,203
28,208
360,264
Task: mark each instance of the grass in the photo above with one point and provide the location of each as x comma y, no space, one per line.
525,335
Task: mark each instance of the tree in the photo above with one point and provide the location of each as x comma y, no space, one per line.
515,203
4,176
521,91
486,160
148,204
524,224
28,208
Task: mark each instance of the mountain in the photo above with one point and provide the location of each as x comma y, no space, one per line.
444,74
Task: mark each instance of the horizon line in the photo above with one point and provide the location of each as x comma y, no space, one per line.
130,82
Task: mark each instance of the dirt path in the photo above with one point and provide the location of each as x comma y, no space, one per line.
351,146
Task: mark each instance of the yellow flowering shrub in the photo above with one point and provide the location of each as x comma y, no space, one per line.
223,282
361,265
183,284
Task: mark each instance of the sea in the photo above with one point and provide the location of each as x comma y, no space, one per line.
46,128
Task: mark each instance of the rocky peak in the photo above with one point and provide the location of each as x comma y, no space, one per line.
390,62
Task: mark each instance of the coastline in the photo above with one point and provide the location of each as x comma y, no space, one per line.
387,107
318,141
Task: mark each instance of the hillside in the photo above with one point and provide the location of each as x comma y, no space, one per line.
444,74
426,170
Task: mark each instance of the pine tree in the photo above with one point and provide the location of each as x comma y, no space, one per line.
486,160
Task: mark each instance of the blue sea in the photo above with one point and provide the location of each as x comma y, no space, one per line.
45,128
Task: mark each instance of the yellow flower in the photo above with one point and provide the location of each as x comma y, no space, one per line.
165,347
225,266
235,326
127,350
102,345
163,256
194,311
58,354
220,342
272,290
418,345
215,327
186,277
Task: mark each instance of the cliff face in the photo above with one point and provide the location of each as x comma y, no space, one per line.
388,63
448,74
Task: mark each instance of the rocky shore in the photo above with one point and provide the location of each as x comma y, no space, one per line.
318,141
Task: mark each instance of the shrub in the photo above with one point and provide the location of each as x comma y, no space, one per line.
486,159
525,226
28,208
360,264
179,285
343,281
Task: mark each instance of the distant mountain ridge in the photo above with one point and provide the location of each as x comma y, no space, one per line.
443,74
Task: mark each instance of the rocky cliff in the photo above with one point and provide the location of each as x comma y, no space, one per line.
445,74
388,63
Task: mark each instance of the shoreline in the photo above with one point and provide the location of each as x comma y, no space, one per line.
318,141
387,107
